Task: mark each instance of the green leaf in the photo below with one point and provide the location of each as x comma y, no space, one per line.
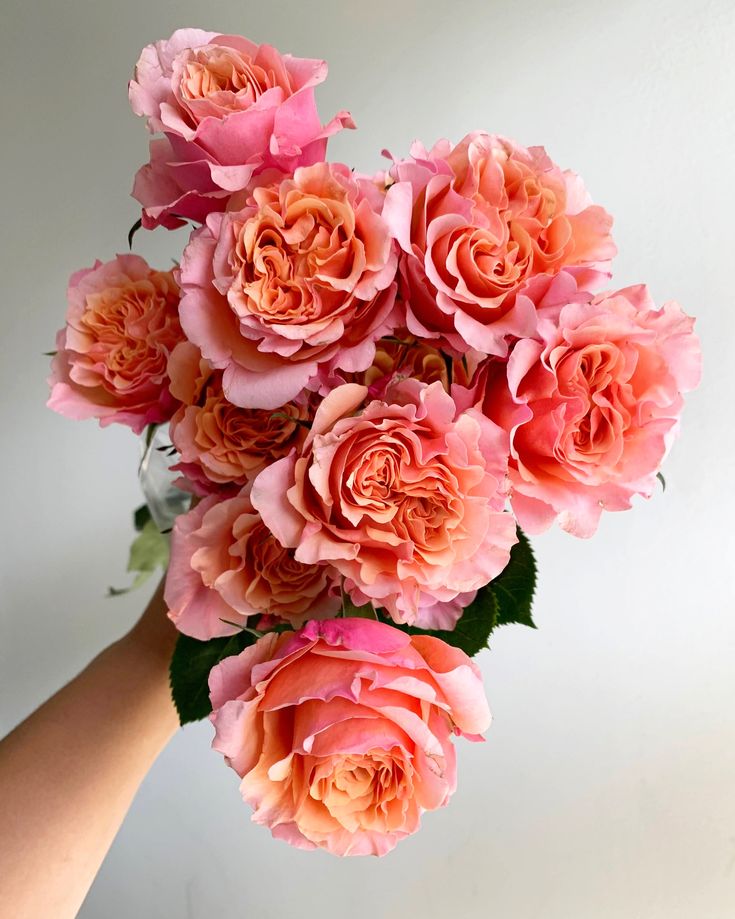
350,611
662,480
189,671
515,585
148,551
133,230
472,631
141,516
150,433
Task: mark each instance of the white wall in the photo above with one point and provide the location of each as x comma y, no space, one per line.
606,787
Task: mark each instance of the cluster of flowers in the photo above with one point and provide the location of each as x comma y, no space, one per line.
369,381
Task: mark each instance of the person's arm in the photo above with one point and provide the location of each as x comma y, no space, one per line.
69,772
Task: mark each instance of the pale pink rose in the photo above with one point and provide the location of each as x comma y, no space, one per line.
342,733
482,226
404,497
298,282
111,360
220,444
592,405
228,109
226,565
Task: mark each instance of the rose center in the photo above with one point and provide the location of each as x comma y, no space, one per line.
215,71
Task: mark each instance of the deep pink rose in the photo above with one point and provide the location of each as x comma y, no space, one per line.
482,226
592,405
342,733
226,565
404,497
228,109
220,444
111,361
298,282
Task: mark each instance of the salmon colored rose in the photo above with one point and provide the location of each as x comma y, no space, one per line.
226,565
342,733
111,361
221,445
228,109
299,282
404,497
592,405
482,226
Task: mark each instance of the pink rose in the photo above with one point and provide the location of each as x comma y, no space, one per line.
404,497
298,282
228,109
592,405
221,445
482,226
121,325
226,565
342,733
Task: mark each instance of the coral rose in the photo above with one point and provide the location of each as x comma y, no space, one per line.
220,444
592,406
481,225
226,565
298,282
404,497
228,109
342,733
121,325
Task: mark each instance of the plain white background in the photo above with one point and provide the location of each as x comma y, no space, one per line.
606,786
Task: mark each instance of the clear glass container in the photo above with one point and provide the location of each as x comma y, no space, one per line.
163,498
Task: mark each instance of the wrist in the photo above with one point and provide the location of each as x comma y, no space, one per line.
153,635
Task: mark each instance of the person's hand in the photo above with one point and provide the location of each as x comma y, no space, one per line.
69,772
154,633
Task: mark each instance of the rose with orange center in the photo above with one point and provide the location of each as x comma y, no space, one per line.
342,733
299,282
400,357
229,109
592,405
483,226
404,497
226,566
111,361
219,443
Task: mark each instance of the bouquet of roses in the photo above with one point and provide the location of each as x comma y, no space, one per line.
373,386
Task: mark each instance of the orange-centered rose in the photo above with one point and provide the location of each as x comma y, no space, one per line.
483,227
112,358
219,443
298,282
404,496
342,733
226,566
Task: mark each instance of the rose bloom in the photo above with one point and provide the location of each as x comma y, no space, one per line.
111,360
481,226
219,443
592,405
226,565
404,497
404,359
228,109
342,733
298,282
400,357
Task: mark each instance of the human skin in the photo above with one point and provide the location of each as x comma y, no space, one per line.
69,772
